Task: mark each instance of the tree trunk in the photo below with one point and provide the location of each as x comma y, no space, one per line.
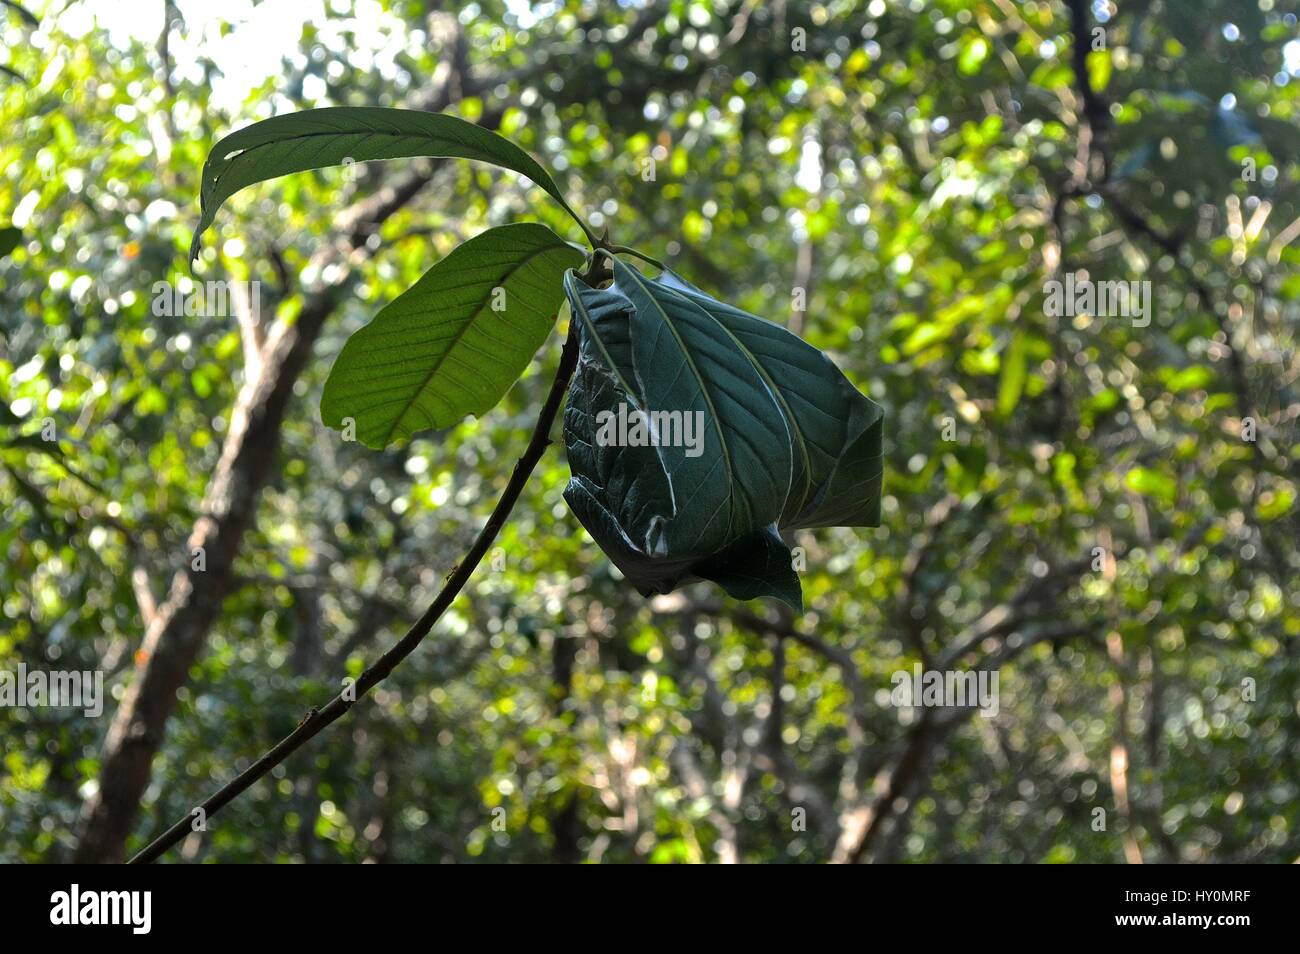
177,632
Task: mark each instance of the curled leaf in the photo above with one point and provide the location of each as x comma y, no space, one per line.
697,433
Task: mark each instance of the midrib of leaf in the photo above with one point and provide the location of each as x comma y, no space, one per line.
785,407
585,316
808,484
776,391
708,398
537,173
293,142
372,131
468,323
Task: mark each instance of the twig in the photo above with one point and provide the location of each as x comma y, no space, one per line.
318,719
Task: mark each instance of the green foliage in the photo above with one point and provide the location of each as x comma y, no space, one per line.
802,453
10,239
22,12
596,724
316,138
454,342
790,442
29,20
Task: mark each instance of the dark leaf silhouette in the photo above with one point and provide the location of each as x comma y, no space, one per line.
782,440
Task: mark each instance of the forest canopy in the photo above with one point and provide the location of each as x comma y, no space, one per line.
1054,240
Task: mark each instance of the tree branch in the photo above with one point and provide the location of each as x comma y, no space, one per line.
318,719
178,629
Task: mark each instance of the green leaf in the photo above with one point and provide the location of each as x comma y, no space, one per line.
1151,483
687,360
1193,378
10,239
1274,505
838,459
316,138
783,439
1099,69
22,12
974,51
1012,383
454,342
756,565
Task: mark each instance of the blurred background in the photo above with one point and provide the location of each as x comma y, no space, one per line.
1102,512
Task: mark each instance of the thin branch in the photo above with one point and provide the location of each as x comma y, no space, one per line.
248,310
770,755
1093,143
1096,112
184,618
318,719
923,545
